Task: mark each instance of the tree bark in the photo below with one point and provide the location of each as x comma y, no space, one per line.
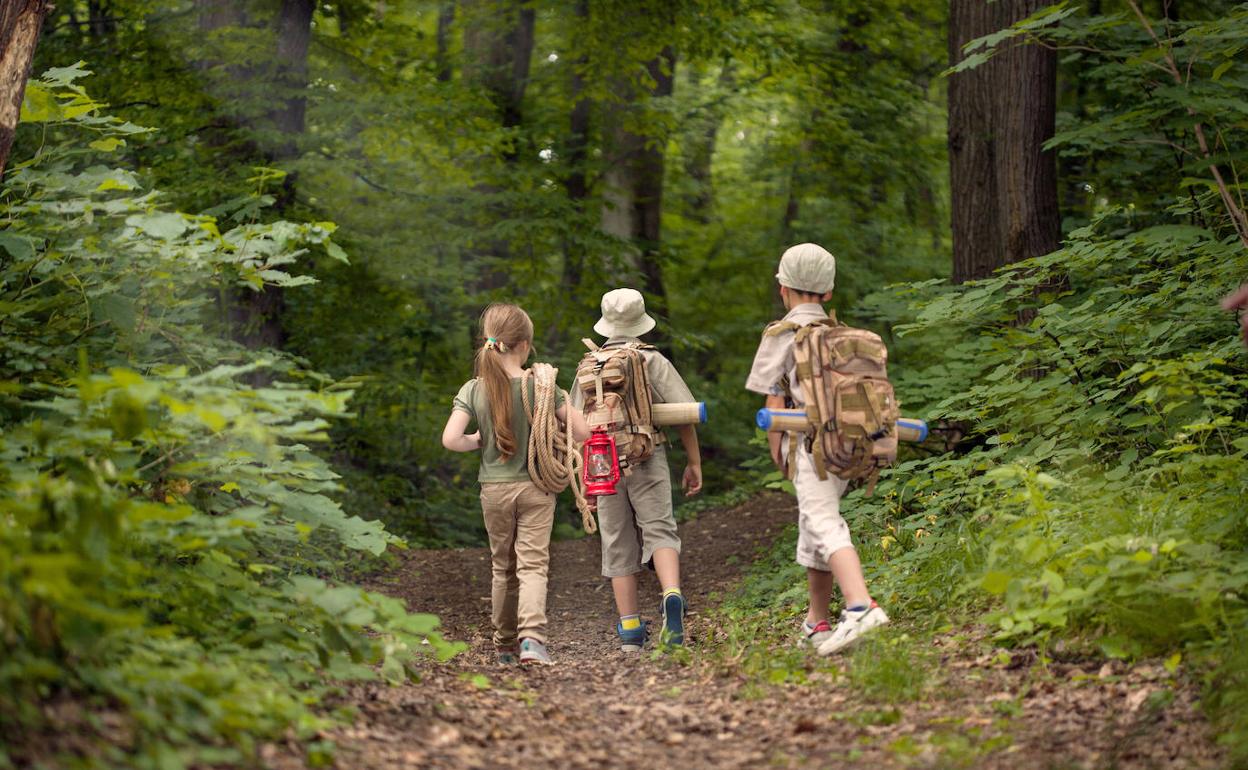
576,182
20,24
498,48
1003,183
294,33
446,18
1027,173
699,153
634,188
217,14
498,41
978,240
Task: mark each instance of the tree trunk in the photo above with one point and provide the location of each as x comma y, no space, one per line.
978,240
217,14
576,182
700,150
498,43
1003,183
446,17
498,48
1027,173
20,23
634,189
294,33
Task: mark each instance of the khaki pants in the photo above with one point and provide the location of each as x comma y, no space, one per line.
518,517
637,520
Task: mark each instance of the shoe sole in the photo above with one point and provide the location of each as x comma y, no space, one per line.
630,648
851,642
674,637
536,662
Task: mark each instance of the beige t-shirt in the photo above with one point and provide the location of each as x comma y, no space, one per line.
475,400
775,361
666,384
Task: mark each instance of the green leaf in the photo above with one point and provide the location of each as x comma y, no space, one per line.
164,225
995,582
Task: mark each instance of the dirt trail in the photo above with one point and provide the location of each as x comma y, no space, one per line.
600,708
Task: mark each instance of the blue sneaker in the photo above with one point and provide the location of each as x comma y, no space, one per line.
673,620
632,639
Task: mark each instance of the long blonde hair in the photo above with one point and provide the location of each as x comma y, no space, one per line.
503,327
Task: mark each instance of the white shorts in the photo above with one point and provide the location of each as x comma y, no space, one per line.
821,530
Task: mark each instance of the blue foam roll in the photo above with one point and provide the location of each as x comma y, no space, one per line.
702,411
915,424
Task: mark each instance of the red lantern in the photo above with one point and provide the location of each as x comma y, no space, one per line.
602,465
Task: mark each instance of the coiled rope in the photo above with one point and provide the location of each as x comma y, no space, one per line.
554,463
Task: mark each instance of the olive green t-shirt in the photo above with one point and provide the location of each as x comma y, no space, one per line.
475,400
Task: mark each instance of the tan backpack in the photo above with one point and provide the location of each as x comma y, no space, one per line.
617,399
850,405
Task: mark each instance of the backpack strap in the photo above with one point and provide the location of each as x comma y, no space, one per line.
593,346
780,327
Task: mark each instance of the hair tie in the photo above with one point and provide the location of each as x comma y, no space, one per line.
493,344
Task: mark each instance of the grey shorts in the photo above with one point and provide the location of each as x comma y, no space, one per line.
637,520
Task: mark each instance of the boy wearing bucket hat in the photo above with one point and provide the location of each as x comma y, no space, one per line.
637,523
806,277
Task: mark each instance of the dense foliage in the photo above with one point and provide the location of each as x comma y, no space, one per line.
768,139
170,544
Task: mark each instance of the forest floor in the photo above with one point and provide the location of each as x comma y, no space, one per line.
977,706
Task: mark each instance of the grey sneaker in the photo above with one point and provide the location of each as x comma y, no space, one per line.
534,652
508,655
852,626
813,636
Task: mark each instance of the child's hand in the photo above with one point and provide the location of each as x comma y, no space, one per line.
1238,300
692,481
475,438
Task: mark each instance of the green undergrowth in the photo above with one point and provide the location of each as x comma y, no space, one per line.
174,560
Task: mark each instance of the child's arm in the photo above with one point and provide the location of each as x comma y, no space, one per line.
453,436
775,440
692,480
580,429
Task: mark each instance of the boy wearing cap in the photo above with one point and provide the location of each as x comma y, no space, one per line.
806,277
637,524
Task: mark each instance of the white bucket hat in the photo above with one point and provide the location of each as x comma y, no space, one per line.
623,314
807,267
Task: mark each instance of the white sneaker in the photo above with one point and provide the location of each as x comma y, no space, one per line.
813,636
852,626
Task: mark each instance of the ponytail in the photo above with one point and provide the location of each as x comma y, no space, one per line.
503,327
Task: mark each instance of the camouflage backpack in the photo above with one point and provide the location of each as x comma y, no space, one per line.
616,393
850,405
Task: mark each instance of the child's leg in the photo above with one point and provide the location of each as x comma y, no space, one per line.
847,570
621,562
824,546
625,590
498,506
650,494
819,587
667,567
535,517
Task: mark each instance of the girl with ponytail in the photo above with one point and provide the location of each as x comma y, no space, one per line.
518,514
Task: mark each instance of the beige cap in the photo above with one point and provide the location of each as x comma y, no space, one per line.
807,267
623,314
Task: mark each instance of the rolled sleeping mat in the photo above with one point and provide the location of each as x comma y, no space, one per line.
909,429
692,413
